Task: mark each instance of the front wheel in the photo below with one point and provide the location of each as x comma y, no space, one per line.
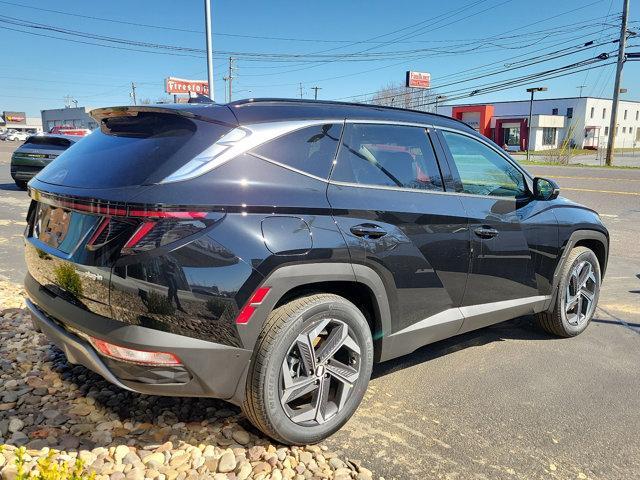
310,369
577,295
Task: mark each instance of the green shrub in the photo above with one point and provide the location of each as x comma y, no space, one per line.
159,304
68,279
216,306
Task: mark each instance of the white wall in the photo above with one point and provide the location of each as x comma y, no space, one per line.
581,118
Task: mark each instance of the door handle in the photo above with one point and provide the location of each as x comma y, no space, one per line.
486,232
368,230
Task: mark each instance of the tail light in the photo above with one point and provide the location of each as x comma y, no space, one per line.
256,299
146,227
131,355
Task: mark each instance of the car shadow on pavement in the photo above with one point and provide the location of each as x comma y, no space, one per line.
521,328
10,186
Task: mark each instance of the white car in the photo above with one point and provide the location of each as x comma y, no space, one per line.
18,136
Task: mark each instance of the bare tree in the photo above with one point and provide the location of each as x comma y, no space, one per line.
397,95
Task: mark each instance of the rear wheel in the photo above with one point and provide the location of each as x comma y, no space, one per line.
310,370
577,295
21,184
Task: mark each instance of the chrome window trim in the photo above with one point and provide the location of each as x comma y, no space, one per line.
254,135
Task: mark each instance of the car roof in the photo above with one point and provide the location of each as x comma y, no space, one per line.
257,110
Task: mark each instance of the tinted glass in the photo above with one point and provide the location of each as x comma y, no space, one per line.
389,155
482,170
50,143
310,149
132,150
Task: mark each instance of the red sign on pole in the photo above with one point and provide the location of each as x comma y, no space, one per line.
418,79
180,85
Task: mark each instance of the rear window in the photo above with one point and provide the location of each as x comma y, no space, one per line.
310,149
49,143
132,150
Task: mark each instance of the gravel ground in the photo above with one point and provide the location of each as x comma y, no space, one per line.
48,404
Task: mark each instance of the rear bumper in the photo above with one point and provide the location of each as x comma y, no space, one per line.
210,369
24,172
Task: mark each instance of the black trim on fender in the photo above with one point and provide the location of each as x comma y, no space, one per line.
289,277
574,238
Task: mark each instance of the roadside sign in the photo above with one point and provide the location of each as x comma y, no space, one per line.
418,80
15,117
180,85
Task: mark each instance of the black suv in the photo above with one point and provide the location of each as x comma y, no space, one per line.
268,252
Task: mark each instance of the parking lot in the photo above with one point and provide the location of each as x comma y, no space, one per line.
503,402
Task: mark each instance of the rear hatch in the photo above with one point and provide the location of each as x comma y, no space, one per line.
81,219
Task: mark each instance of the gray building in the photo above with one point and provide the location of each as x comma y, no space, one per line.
77,117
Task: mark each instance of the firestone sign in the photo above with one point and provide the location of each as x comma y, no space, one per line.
418,79
180,85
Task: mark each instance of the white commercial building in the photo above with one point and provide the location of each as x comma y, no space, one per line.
582,122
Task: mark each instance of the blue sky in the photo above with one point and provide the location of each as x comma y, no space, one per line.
443,38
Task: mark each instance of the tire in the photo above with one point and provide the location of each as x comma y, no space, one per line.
280,344
565,320
21,184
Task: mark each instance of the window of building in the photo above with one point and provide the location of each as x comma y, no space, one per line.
387,155
310,149
511,136
549,136
554,111
606,131
593,111
570,112
625,114
624,129
637,113
482,170
604,113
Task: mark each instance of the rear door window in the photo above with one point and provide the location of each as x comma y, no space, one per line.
310,149
387,155
132,150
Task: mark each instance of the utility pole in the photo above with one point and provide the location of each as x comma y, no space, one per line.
230,77
531,91
580,87
300,89
439,98
616,86
315,93
207,25
133,92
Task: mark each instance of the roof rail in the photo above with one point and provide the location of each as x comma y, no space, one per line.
250,101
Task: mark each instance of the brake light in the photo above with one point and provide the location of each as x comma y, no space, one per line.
132,355
256,299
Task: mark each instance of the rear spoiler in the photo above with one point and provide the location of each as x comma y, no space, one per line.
209,112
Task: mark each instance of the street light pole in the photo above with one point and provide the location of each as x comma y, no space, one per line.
207,24
616,86
531,91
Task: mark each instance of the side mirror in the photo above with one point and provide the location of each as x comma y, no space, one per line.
545,189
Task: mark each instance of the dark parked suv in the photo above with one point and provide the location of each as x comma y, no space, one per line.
268,252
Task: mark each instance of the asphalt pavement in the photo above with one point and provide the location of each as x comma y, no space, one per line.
508,401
